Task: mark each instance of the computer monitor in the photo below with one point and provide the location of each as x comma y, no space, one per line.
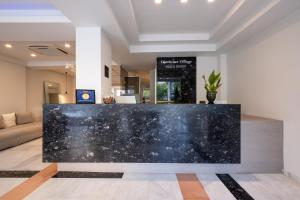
85,96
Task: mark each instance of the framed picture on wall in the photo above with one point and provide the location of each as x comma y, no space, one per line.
106,71
85,97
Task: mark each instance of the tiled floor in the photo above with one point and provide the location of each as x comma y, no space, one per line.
23,157
136,186
131,187
7,184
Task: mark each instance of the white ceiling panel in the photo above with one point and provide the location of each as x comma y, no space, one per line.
171,16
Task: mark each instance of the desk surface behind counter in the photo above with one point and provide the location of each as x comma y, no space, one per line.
142,133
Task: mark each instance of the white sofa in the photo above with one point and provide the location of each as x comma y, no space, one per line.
23,132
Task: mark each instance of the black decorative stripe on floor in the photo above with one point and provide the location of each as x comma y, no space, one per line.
65,174
61,174
17,174
236,190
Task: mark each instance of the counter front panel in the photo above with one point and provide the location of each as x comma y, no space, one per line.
142,133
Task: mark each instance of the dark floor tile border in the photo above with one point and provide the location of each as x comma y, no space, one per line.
17,174
65,174
236,190
61,174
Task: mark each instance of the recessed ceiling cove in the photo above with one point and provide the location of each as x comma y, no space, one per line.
195,26
171,16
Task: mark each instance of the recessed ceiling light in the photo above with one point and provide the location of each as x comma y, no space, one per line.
67,45
157,1
8,46
210,1
183,1
33,55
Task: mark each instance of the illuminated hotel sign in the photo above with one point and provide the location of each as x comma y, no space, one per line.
178,70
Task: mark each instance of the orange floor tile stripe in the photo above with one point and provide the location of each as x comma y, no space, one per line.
31,184
191,188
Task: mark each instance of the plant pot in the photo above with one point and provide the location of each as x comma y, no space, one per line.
211,97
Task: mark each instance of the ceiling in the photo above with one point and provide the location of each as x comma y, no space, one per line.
174,17
21,51
139,30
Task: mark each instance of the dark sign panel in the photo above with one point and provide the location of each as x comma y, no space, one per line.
176,79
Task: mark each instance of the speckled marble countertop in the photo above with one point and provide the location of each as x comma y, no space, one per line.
142,133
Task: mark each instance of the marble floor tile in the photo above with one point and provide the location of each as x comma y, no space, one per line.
214,187
23,157
75,189
6,184
269,186
132,186
150,186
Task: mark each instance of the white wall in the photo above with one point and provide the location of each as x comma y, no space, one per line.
22,88
223,68
12,87
264,78
106,59
35,89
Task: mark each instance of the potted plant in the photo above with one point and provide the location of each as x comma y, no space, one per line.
212,85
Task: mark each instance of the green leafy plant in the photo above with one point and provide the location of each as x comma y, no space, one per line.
162,91
213,83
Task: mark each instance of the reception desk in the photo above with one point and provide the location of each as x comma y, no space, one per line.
142,133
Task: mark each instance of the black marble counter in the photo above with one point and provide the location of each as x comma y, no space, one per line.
142,133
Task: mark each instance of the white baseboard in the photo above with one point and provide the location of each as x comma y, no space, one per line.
168,168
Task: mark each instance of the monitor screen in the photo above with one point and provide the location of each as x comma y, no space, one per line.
85,97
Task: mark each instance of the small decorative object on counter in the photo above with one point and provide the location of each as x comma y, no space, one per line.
212,85
108,100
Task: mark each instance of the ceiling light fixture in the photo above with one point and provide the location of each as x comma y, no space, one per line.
8,46
67,45
210,1
183,1
70,67
157,1
33,55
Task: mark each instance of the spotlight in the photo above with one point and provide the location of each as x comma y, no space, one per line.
67,45
8,46
157,1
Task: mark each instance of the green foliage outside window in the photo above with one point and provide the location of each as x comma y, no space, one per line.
162,91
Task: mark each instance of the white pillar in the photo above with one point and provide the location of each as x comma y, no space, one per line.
153,86
88,60
224,75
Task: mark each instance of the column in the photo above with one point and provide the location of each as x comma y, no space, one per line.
88,60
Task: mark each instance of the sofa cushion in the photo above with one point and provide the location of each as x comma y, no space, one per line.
2,124
24,118
9,120
20,134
